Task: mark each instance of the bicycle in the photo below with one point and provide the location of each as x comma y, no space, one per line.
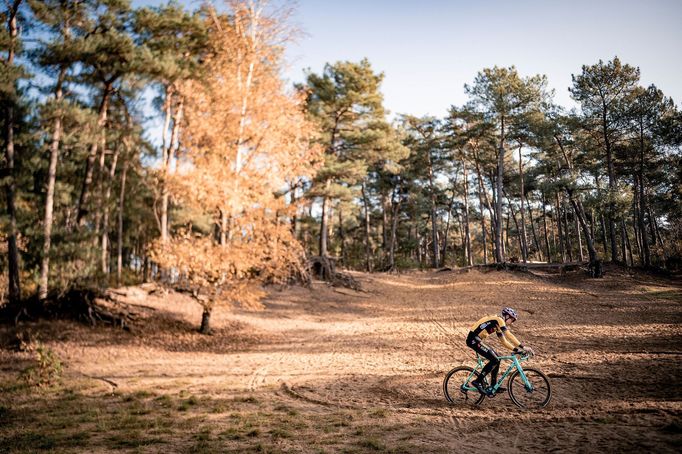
528,388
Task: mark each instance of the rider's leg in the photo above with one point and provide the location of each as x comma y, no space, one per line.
493,365
493,361
495,369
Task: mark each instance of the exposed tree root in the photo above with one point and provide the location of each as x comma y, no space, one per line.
325,268
88,305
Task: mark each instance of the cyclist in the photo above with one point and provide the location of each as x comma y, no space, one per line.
479,331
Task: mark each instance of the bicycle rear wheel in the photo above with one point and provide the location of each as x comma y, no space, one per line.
538,396
457,389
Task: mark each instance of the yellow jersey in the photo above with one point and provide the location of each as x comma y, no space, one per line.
495,324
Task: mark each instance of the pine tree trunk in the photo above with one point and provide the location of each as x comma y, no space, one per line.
121,201
294,214
368,245
435,259
10,191
84,197
164,212
656,232
460,231
646,251
524,240
612,187
499,257
625,240
483,191
483,231
395,211
451,204
593,221
323,225
493,188
603,233
10,185
628,244
420,256
556,244
384,222
51,180
567,236
635,222
483,195
602,219
165,159
205,327
580,239
516,224
532,229
342,237
612,233
506,247
595,263
173,146
623,245
330,223
557,222
467,233
99,193
105,220
444,250
544,223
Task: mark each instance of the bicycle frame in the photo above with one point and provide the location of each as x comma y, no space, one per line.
515,364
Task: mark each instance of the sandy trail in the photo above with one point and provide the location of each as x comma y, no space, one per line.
611,347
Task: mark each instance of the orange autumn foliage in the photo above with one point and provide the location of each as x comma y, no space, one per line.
245,137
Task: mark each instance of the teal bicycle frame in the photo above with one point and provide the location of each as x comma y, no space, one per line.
515,364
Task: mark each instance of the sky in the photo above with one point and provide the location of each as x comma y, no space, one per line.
429,49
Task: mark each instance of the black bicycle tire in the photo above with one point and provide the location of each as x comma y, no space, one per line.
516,374
447,379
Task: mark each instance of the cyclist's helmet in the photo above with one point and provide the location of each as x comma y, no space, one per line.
509,312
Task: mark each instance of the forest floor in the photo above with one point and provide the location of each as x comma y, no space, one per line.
329,370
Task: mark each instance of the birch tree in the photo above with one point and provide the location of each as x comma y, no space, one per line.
245,138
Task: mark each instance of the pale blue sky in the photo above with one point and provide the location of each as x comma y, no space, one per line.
429,49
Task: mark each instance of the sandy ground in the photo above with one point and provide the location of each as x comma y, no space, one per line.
611,347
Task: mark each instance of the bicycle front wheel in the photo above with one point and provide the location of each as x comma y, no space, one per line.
535,395
457,388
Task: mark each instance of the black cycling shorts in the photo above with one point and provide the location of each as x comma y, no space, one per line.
474,342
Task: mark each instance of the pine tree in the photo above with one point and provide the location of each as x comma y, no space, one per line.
346,104
602,91
60,54
425,139
177,41
109,54
502,95
559,136
10,73
650,111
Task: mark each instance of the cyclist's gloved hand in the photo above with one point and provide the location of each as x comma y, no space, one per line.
525,351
